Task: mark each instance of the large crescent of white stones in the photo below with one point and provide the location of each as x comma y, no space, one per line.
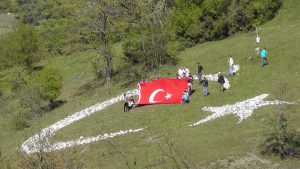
40,141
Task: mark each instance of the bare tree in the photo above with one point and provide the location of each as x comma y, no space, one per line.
101,17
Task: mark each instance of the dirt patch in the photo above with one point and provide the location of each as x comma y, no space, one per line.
243,162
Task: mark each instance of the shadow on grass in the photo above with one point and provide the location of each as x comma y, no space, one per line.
128,83
38,68
56,104
51,106
192,92
90,86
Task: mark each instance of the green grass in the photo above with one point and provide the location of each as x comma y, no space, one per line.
203,144
7,21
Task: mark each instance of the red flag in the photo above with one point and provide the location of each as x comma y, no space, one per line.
162,91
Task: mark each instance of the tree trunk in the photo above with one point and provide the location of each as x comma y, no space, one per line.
154,60
105,50
143,44
107,62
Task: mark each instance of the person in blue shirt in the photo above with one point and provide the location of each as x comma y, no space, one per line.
263,56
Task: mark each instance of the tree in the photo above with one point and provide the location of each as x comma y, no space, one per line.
147,41
101,19
20,47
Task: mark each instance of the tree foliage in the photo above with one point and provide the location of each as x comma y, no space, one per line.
20,47
103,20
148,38
198,21
35,91
33,11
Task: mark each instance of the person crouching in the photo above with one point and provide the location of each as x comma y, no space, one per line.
131,103
185,96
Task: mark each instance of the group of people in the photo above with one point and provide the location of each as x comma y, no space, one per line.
183,72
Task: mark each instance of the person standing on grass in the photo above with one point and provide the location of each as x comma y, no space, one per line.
221,81
205,86
186,71
126,101
230,64
180,72
263,56
200,69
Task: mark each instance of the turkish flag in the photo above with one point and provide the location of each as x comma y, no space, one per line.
162,91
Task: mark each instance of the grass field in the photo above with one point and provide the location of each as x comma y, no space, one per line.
7,22
221,143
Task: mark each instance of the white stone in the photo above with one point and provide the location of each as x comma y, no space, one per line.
242,109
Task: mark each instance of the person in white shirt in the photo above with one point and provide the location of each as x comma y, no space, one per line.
230,64
186,71
180,72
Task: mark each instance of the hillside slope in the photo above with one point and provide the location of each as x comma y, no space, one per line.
203,145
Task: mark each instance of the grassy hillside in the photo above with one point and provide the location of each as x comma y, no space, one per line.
7,21
221,143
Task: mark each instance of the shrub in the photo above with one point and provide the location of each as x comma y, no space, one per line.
31,99
281,142
49,81
20,47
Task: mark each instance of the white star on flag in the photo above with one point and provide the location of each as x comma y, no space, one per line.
168,96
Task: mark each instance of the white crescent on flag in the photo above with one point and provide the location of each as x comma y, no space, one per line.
151,98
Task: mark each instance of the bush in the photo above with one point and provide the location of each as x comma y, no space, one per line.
37,89
49,81
20,47
33,11
31,99
5,5
281,142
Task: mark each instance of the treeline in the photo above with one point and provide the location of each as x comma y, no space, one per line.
197,21
148,29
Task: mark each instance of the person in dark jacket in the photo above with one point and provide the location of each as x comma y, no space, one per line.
221,81
205,86
200,69
126,101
